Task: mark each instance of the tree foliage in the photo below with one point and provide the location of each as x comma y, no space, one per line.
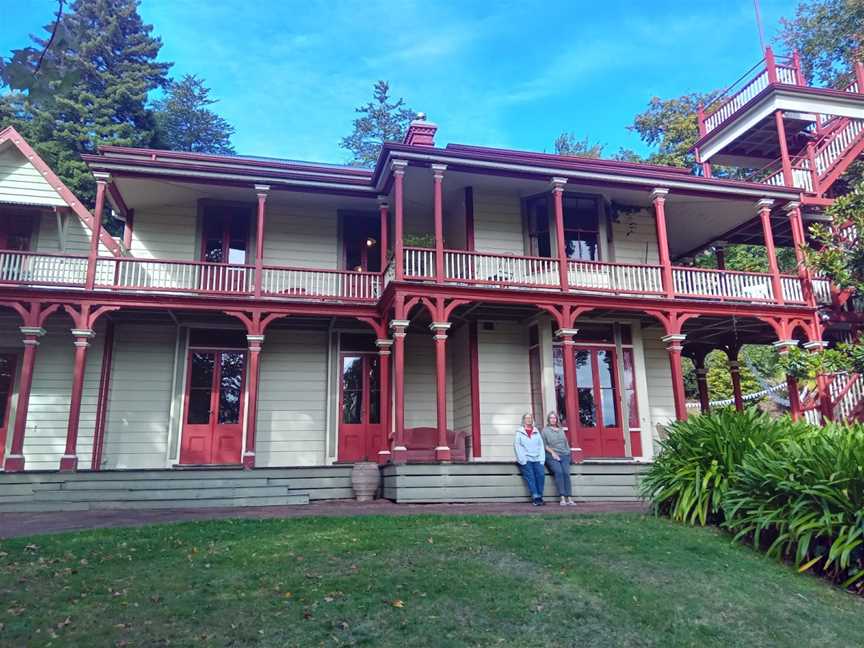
107,71
380,120
185,123
828,35
568,144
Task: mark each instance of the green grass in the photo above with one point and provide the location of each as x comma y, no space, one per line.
610,580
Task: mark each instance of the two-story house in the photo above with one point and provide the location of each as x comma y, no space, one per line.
301,317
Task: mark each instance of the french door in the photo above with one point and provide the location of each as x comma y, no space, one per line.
598,421
360,432
225,241
213,422
8,362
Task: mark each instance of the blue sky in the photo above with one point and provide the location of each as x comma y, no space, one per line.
289,73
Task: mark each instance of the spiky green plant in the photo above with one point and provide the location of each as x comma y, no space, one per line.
688,480
803,500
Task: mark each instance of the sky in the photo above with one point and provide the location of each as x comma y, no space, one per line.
288,74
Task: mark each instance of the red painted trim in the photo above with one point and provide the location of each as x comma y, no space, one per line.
771,252
384,226
558,205
384,360
441,398
8,404
399,395
469,219
102,399
785,160
678,383
259,243
253,371
97,232
69,460
15,458
474,375
438,217
71,200
398,236
663,246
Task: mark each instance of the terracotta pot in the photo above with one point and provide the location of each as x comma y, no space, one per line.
365,479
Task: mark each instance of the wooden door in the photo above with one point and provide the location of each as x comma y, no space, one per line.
360,432
213,424
225,242
8,361
598,420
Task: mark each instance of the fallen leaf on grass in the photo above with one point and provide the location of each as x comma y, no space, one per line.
397,603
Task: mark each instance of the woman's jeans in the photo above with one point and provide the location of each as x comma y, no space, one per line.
535,477
561,471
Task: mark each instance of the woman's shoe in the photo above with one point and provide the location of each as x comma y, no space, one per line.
563,502
536,502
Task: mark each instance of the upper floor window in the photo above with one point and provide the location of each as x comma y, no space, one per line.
538,227
225,235
581,228
15,232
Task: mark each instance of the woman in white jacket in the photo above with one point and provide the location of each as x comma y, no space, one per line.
530,455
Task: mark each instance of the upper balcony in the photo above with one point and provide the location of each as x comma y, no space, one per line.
268,230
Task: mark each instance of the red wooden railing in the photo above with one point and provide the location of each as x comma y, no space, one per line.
460,267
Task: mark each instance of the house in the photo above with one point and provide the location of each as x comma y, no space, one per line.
295,318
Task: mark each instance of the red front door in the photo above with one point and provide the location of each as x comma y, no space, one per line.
7,381
213,424
597,394
360,433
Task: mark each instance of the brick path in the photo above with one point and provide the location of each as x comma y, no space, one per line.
21,524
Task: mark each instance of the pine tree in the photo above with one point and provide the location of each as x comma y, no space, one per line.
381,121
184,123
108,69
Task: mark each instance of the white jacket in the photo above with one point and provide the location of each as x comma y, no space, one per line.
529,448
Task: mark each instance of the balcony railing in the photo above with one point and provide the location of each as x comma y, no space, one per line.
461,267
750,84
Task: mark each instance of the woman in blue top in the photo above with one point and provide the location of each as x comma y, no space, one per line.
530,455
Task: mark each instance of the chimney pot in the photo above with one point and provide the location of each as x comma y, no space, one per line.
420,132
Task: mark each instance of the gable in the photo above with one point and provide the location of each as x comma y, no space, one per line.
21,183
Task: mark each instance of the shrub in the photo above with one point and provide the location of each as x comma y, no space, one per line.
803,499
688,479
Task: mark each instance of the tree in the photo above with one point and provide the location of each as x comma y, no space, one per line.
568,144
381,121
829,37
185,123
108,69
672,128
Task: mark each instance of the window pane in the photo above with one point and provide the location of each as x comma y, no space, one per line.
587,407
558,371
630,391
604,366
351,403
580,213
610,416
581,246
202,370
352,373
199,406
374,406
536,387
584,370
373,372
231,386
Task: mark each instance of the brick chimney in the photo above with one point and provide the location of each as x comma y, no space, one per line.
420,132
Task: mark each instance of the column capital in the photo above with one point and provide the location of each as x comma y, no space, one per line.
38,331
398,167
734,365
558,183
255,342
262,190
815,345
440,326
83,333
438,171
783,346
102,177
383,202
397,323
673,341
384,345
659,193
702,372
764,204
566,332
791,206
720,245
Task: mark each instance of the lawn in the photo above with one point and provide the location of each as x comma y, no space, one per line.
610,580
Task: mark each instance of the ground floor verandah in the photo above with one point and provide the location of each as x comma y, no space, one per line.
435,379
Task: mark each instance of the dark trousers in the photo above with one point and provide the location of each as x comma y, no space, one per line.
561,471
535,477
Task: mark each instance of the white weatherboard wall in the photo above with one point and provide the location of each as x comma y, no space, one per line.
301,236
166,232
498,222
51,394
139,405
292,399
634,238
505,387
661,403
458,359
22,183
420,382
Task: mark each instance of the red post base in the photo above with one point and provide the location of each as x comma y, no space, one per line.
14,464
399,456
68,463
248,461
577,456
443,454
384,457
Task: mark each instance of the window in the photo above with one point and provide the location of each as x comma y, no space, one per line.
534,368
15,232
538,227
581,228
225,235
